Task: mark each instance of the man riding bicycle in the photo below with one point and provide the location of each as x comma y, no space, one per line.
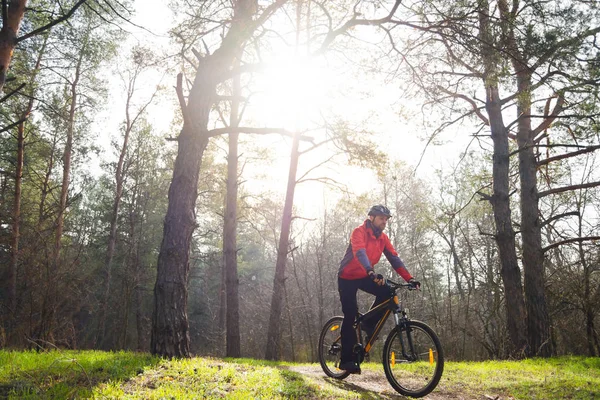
367,243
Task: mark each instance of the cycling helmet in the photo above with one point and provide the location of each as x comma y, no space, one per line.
380,209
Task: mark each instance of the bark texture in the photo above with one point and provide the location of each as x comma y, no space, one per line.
500,201
233,345
170,326
273,336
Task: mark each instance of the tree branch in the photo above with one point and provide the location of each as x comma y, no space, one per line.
332,34
476,109
548,121
562,45
21,86
588,149
52,23
567,241
181,98
9,127
258,131
568,188
554,218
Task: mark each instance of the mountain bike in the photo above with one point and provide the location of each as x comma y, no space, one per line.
413,358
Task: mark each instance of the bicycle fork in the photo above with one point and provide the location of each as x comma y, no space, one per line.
403,326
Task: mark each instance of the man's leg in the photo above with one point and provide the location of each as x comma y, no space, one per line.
381,293
347,290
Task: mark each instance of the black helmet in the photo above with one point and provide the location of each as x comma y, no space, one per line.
380,209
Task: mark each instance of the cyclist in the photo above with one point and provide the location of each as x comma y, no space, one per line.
367,243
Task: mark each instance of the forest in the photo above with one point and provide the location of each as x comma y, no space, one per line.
187,184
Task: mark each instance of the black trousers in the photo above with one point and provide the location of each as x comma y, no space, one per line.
348,289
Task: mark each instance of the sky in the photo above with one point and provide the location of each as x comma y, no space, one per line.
295,91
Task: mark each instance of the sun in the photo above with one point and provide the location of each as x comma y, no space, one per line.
291,93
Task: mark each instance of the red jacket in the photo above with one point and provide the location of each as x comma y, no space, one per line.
365,250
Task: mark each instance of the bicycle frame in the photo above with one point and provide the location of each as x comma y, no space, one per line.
390,305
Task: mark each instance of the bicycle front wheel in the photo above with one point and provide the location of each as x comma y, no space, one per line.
413,359
330,348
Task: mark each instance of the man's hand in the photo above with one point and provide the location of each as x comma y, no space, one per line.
377,278
415,283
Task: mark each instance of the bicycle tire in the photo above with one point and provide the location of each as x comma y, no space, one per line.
330,348
418,375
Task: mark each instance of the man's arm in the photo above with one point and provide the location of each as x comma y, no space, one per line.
394,259
359,244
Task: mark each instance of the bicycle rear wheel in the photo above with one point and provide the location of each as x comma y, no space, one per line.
415,373
330,348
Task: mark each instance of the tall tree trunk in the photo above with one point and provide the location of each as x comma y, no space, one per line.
51,292
306,310
500,201
233,346
15,239
274,334
538,320
222,313
505,234
170,326
114,218
16,226
46,186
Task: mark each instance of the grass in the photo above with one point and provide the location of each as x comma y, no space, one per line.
554,378
128,375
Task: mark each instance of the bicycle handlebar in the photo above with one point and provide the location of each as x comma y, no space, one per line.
395,285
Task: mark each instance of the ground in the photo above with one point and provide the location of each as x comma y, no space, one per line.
374,385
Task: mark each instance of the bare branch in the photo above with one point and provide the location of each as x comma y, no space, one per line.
258,131
302,178
181,98
21,86
332,34
588,149
9,127
568,188
572,240
476,109
554,218
197,54
548,121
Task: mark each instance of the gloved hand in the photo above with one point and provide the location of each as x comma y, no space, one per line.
415,283
377,278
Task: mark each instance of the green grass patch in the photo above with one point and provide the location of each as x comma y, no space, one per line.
128,375
206,378
65,374
554,378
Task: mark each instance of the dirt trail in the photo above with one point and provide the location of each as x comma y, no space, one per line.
374,385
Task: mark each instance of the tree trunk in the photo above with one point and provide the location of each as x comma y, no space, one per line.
16,226
274,334
170,327
8,35
505,234
51,294
500,201
538,320
112,236
233,346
